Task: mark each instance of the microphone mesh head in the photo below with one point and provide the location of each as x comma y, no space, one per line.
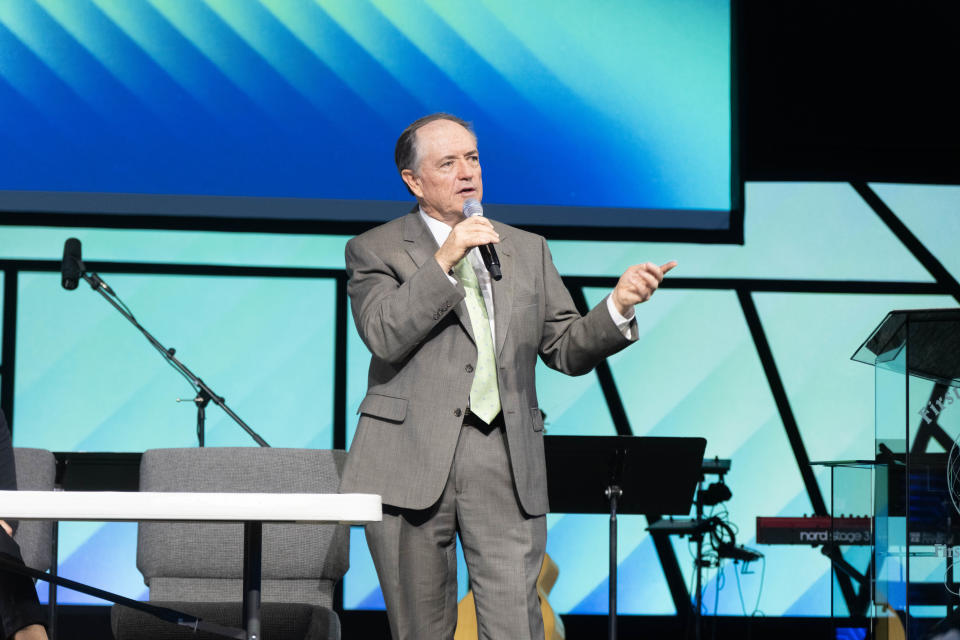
70,267
472,208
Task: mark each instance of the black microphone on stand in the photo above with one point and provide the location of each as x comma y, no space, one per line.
72,270
490,260
70,267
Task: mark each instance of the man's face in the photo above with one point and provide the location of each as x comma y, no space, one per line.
449,171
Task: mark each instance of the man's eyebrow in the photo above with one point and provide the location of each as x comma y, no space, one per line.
454,156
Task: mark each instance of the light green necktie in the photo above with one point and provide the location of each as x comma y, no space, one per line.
485,393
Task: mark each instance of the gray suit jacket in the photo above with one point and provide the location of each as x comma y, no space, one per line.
416,325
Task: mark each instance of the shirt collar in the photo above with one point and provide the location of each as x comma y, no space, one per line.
438,228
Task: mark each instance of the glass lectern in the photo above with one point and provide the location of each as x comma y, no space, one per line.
916,356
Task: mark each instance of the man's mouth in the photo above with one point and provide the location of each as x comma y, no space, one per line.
468,191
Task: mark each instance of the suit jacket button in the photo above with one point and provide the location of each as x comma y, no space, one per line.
457,412
468,368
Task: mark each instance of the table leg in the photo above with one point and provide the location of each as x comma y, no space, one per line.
252,549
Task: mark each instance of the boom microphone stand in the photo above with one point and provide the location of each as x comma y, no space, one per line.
204,393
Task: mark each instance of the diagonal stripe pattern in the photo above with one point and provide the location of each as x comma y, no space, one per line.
485,392
221,98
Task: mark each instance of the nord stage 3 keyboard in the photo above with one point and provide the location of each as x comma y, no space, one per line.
815,530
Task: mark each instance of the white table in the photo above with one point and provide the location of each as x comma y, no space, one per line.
136,506
251,509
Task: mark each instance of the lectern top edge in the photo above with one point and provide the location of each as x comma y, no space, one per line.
930,337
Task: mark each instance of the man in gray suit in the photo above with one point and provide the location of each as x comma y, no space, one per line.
450,431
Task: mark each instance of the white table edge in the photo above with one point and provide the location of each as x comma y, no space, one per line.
140,506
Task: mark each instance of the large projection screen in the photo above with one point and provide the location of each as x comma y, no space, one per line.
610,115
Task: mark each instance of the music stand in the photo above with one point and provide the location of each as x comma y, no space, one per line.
625,474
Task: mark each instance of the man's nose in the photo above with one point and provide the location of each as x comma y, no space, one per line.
465,170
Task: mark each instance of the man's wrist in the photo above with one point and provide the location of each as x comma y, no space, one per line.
445,264
620,316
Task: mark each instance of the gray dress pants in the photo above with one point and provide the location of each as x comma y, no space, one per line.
415,553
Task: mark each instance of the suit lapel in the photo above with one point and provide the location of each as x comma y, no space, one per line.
503,290
421,245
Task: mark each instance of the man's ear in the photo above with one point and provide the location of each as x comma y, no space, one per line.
412,181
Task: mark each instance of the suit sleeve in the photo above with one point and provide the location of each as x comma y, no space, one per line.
392,315
570,343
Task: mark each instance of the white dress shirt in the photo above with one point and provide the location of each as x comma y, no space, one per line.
441,230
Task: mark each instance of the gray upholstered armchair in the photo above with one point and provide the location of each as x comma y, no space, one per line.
36,471
197,567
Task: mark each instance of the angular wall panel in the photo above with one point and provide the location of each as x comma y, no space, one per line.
696,370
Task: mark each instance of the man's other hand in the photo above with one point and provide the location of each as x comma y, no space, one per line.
6,527
467,234
637,284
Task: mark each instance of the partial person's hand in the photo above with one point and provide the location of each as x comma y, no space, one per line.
637,284
467,234
6,527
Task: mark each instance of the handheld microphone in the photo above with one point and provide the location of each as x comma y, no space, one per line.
70,267
490,260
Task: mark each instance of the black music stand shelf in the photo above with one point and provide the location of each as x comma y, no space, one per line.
622,474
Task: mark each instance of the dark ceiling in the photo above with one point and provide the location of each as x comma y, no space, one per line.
844,90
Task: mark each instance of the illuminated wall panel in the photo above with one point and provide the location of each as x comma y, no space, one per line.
86,380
